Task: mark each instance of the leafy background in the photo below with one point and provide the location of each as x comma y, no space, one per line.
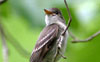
24,20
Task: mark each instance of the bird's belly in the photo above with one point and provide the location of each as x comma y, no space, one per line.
51,54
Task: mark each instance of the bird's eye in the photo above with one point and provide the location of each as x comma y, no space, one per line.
56,12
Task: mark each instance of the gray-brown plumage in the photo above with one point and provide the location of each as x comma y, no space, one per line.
39,54
46,47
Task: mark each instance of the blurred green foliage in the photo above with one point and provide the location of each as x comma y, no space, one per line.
24,19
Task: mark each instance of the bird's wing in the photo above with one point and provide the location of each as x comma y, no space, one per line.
47,37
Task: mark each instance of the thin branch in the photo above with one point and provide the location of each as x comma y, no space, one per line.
85,40
71,34
2,1
16,44
70,17
4,45
13,41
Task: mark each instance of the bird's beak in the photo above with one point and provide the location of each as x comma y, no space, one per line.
48,12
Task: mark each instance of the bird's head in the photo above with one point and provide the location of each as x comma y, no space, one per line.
53,15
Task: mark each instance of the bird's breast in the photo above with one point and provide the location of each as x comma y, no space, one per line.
51,54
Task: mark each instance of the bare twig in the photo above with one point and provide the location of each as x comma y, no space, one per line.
70,17
2,1
13,41
85,40
4,45
16,44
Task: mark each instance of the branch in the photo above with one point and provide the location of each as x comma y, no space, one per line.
85,40
70,17
16,44
4,45
12,40
2,1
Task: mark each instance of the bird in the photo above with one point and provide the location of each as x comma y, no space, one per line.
52,42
